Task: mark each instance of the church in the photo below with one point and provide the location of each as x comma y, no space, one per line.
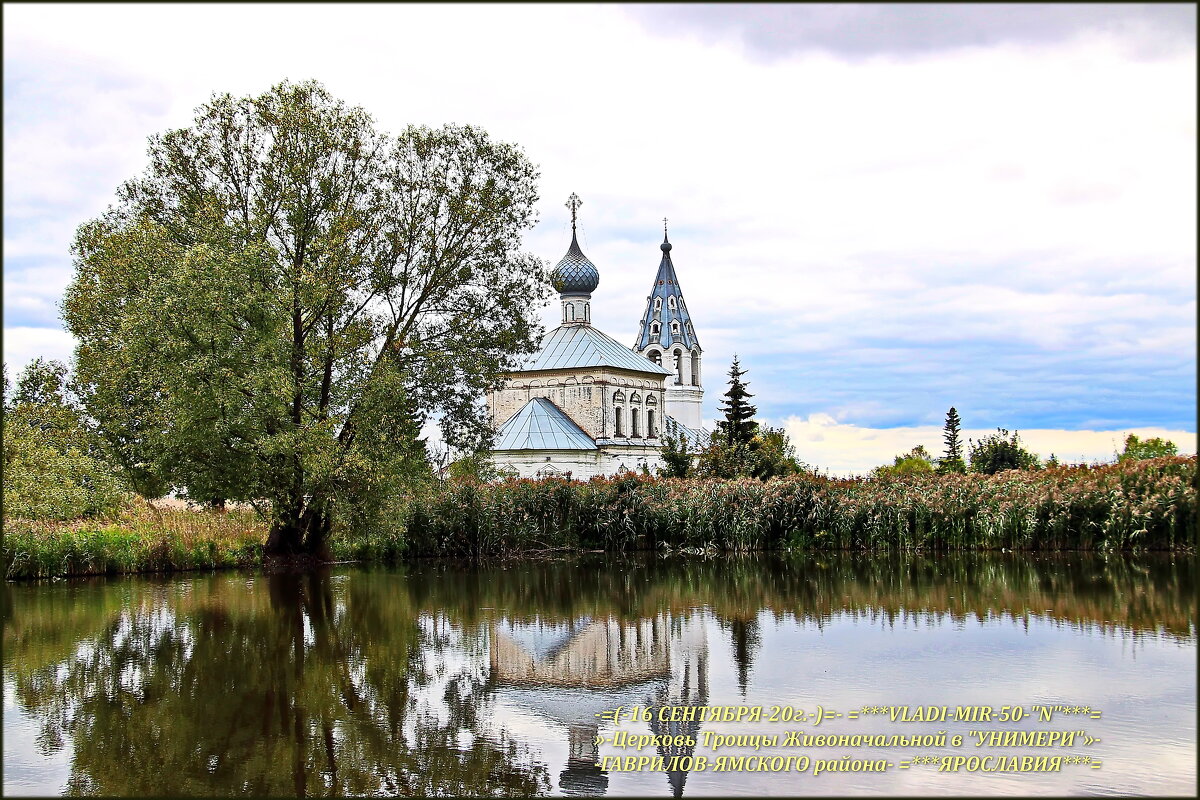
585,404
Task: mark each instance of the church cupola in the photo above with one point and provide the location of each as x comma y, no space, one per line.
575,277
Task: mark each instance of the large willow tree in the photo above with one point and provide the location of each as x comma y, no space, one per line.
270,310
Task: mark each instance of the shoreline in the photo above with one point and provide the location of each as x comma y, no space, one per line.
1126,507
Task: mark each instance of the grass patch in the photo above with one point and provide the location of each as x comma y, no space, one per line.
139,538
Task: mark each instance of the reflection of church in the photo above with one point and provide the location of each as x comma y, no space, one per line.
570,673
589,405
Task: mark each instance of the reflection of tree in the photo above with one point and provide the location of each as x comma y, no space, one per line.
300,695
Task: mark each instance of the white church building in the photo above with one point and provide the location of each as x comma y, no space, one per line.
587,405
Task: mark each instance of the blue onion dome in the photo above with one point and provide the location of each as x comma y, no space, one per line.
575,274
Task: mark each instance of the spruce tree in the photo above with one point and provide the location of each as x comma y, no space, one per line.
738,427
952,461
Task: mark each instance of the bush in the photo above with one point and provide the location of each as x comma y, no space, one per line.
999,452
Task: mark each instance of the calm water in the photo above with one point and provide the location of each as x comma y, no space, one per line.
441,678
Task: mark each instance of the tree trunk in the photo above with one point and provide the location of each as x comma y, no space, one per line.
300,533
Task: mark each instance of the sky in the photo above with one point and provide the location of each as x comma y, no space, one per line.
883,210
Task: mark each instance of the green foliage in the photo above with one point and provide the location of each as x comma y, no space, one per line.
1136,449
720,459
1001,451
917,461
54,467
676,454
768,454
952,461
286,289
772,455
476,467
738,427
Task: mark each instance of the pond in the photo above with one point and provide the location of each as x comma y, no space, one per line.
650,675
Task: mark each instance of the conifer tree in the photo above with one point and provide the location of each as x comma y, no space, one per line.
738,427
952,461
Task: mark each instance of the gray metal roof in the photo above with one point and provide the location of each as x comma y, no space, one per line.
666,287
575,273
541,425
571,346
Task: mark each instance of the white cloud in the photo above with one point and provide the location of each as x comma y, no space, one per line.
22,345
849,449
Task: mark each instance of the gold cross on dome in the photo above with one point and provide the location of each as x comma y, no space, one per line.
573,203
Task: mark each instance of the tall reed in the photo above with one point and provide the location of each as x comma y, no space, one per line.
1126,506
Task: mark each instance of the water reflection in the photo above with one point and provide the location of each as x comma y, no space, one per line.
447,679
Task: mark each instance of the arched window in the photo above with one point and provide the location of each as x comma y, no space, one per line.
675,327
655,356
633,422
635,398
671,302
650,422
657,304
654,328
695,368
679,366
617,411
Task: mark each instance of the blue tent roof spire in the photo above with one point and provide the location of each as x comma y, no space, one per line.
666,321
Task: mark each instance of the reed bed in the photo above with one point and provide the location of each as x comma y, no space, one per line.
1131,505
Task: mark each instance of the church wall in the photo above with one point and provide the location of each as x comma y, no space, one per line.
587,397
582,464
686,405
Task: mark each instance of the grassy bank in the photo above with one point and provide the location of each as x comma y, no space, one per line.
1127,506
140,538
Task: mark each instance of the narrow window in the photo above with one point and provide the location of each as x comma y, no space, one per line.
633,422
671,302
650,422
618,413
695,368
679,366
674,328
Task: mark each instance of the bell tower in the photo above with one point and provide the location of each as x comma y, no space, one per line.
668,338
